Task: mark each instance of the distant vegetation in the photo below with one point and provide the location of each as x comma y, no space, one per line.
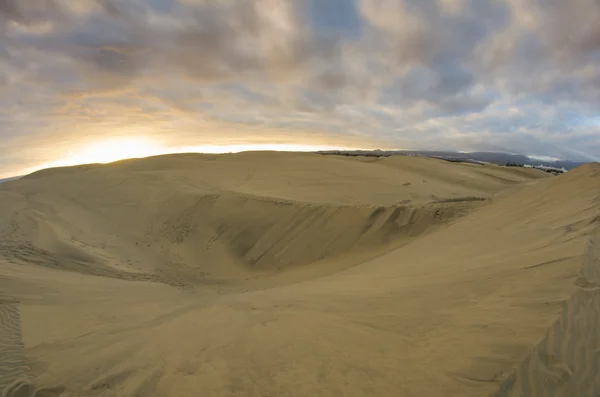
550,170
470,157
362,154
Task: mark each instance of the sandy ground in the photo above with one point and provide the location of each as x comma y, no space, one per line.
289,274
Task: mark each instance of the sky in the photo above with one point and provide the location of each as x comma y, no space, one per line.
94,80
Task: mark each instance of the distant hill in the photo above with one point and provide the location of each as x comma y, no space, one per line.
473,157
9,179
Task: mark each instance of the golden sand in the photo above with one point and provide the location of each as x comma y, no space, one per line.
295,274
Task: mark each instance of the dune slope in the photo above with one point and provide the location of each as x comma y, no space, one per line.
301,274
193,218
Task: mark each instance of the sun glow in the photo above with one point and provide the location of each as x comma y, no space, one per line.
108,151
115,149
282,147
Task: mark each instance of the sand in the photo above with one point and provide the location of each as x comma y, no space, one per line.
295,274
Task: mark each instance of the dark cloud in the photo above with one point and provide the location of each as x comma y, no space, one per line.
9,9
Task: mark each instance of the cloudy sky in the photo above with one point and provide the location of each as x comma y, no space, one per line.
82,76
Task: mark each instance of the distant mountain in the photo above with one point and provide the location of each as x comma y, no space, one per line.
472,157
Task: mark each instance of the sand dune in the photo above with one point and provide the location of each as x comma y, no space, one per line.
290,274
565,362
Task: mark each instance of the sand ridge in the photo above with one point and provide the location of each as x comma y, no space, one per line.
209,220
565,361
263,274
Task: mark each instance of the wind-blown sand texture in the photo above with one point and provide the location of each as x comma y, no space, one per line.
294,274
567,361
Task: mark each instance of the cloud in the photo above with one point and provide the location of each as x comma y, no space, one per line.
520,75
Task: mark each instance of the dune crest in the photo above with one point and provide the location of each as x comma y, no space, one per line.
190,218
295,274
